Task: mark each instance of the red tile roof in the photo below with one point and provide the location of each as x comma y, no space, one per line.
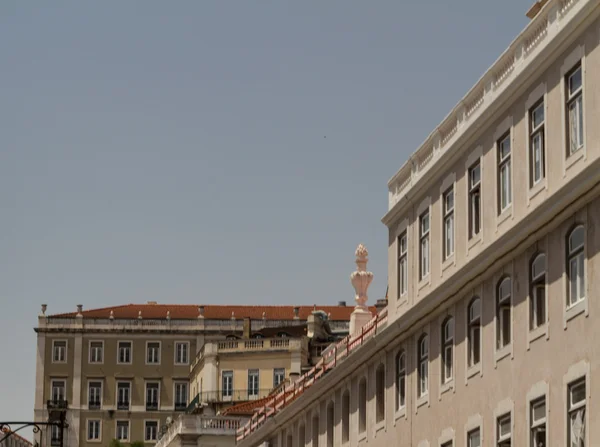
248,408
215,312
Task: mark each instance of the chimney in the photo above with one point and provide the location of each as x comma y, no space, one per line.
296,313
247,327
79,310
44,307
341,303
200,311
381,304
536,8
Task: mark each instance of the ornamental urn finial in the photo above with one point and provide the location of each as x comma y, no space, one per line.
361,278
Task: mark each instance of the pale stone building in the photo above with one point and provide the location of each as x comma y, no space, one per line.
490,334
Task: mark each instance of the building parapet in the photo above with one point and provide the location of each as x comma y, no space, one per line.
190,425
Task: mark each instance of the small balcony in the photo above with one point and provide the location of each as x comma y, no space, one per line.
57,404
55,442
94,405
180,406
234,396
124,405
151,406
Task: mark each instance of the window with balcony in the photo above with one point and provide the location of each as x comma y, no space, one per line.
362,405
96,351
152,395
94,395
504,173
474,200
448,224
182,353
59,351
150,431
181,396
575,265
447,349
537,145
380,393
227,387
124,352
58,391
123,395
474,332
424,245
574,107
537,298
576,414
346,416
153,353
538,423
278,376
423,371
474,438
253,383
402,265
503,313
122,430
400,380
504,431
93,429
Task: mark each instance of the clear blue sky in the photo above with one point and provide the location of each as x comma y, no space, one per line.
212,152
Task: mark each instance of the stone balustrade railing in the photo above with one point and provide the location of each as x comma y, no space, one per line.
549,21
189,425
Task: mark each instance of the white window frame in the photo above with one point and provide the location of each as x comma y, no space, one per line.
56,349
128,382
575,373
576,254
152,421
177,360
473,192
504,163
576,57
53,387
575,97
473,323
448,223
119,352
424,245
146,388
474,423
535,424
278,372
447,346
400,381
423,366
147,356
117,434
402,265
537,281
89,397
177,384
254,372
573,408
537,132
92,360
500,437
87,424
503,302
227,394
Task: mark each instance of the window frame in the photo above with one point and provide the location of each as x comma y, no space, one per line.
89,432
500,438
119,342
254,372
146,425
118,387
572,408
474,193
177,360
423,366
92,349
176,384
447,345
472,432
147,388
503,305
53,387
128,423
400,364
448,218
147,357
227,393
64,350
578,253
473,325
424,240
537,131
570,99
402,264
100,394
535,425
537,282
504,164
276,372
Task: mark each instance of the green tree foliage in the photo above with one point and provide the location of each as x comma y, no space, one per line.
137,444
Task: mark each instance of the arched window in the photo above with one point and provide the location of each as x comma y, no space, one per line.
537,293
474,332
315,430
330,424
400,380
301,435
346,416
423,372
447,349
575,265
503,312
362,405
380,393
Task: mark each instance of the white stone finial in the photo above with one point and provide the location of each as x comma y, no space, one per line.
79,310
233,315
264,316
168,315
112,315
361,280
200,311
140,315
44,307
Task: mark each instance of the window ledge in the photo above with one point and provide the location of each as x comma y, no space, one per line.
472,371
362,436
538,332
379,426
474,241
400,413
536,189
575,310
445,387
503,352
449,262
574,158
402,301
504,216
423,400
424,282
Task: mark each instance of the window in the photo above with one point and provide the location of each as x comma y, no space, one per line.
152,396
123,395
182,353
253,382
315,431
55,435
402,265
537,306
576,416
400,380
362,406
474,438
576,269
124,352
227,388
151,431
474,334
58,391
93,430
448,205
345,417
423,356
181,396
504,431
474,200
447,347
424,247
278,376
59,351
536,144
538,423
503,301
330,424
96,351
123,430
380,393
504,181
153,352
574,91
94,395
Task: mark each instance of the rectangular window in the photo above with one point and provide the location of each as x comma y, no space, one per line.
474,334
93,431
153,352
536,144
59,351
402,265
253,382
504,431
124,352
151,431
181,396
474,200
504,173
152,396
424,246
574,107
474,438
227,388
538,423
96,351
55,435
123,430
448,204
576,414
182,353
58,391
94,395
123,395
278,376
